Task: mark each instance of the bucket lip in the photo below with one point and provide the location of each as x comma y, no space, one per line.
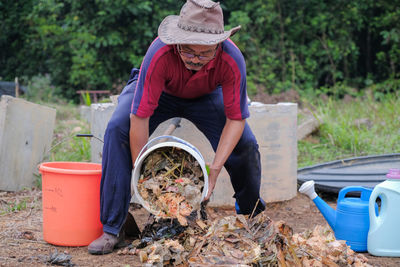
44,168
136,171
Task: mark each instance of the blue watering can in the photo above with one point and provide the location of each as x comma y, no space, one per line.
350,220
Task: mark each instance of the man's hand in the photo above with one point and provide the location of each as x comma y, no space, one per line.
231,134
212,180
138,135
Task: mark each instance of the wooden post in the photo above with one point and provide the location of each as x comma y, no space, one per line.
16,87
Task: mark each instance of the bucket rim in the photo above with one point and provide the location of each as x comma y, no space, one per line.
43,167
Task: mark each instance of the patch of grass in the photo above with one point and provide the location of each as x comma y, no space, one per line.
38,181
66,146
18,206
360,127
86,98
73,149
15,206
26,199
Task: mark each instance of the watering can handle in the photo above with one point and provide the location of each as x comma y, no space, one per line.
365,192
372,201
166,137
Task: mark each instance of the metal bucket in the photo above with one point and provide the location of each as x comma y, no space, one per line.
170,141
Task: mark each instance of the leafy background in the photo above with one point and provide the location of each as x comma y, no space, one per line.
314,47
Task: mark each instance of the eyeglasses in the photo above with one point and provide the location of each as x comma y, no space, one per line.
200,57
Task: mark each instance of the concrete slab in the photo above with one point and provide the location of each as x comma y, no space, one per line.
275,127
99,117
26,132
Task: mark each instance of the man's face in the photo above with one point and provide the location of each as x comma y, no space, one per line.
196,56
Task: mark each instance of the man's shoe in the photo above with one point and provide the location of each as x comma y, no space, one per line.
106,243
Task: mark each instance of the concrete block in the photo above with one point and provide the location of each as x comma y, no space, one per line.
275,129
26,132
100,115
307,127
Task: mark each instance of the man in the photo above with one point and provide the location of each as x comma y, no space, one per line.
193,71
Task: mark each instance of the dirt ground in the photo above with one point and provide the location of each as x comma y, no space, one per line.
21,233
22,244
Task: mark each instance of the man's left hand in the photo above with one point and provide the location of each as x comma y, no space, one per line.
212,180
230,136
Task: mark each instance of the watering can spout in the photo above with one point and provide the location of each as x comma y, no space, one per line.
327,211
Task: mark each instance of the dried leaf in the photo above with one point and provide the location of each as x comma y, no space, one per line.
143,256
171,183
201,224
231,241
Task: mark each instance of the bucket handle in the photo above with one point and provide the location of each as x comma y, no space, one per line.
365,192
167,137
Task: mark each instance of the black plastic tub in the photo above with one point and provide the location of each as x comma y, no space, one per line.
360,171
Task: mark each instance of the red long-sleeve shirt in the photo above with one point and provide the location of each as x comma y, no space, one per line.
162,69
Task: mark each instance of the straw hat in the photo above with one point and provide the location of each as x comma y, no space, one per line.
200,22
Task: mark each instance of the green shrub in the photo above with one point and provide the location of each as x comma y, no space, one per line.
40,89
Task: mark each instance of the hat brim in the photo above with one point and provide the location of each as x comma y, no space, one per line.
170,33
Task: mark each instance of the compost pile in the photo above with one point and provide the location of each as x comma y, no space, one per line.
171,183
240,241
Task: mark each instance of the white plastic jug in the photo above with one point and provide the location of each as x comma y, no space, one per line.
384,230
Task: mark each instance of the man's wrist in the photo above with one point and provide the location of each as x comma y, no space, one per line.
215,167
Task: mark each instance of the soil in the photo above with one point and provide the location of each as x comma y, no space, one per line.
22,244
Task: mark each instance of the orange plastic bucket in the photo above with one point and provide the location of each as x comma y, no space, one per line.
71,202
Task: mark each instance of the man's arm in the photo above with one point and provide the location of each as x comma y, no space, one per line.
230,136
138,135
